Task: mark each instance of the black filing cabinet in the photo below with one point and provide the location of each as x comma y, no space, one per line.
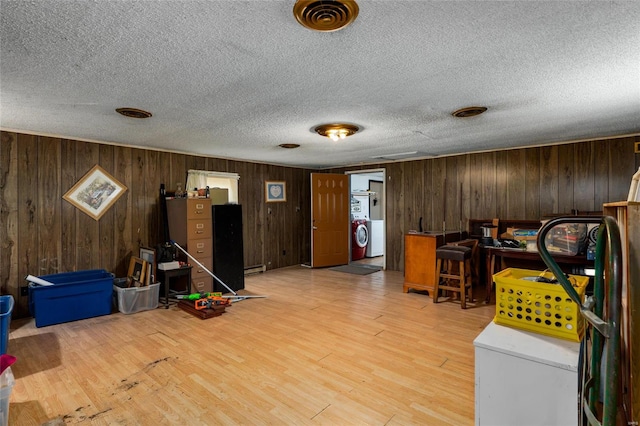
228,258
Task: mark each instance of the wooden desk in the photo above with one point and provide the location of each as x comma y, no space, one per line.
165,278
491,253
420,259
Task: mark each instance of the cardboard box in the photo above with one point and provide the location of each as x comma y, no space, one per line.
522,234
73,296
219,195
529,236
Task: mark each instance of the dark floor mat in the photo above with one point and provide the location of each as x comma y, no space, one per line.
357,270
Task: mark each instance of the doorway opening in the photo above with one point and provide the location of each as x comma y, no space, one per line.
367,190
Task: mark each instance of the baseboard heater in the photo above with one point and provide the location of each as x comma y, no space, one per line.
255,269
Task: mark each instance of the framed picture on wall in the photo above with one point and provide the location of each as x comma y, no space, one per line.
95,192
275,191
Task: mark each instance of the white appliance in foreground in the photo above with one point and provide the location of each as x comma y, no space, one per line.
376,238
525,378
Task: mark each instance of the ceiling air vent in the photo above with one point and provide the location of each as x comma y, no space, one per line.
469,111
133,112
325,16
401,155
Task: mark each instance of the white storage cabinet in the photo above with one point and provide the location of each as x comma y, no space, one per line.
523,378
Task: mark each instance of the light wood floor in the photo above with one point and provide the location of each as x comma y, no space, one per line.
325,348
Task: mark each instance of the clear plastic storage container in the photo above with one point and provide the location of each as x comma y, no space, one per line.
567,239
136,299
6,385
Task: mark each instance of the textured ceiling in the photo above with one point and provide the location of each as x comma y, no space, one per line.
234,79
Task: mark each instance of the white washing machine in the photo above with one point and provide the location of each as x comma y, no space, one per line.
376,238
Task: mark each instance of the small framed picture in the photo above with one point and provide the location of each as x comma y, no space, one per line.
275,191
137,271
149,255
95,192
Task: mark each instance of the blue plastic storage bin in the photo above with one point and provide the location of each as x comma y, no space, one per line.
73,296
6,307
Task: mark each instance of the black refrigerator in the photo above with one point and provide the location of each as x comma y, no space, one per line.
228,258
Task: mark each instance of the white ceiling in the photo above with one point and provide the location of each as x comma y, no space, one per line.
234,79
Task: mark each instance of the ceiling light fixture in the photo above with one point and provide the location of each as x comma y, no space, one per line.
133,112
325,15
469,111
289,145
336,131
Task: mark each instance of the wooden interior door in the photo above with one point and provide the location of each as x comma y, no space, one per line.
330,209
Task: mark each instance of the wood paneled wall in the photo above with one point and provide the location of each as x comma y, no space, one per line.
41,233
513,184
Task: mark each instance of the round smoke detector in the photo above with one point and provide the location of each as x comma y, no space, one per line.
327,15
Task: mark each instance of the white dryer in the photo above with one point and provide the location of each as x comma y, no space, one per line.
376,238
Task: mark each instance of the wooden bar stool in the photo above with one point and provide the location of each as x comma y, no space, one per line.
472,243
453,268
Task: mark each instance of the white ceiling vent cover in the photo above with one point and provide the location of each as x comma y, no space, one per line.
401,155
